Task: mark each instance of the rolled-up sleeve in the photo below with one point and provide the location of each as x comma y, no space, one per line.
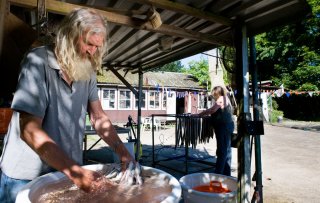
31,93
93,89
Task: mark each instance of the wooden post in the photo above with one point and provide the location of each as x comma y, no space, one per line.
3,8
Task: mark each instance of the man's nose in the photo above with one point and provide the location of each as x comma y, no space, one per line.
92,50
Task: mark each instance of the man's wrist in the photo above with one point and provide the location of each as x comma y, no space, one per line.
116,145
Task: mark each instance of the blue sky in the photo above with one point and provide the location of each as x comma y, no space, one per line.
196,57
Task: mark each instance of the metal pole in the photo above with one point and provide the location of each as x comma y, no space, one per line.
244,159
139,113
255,91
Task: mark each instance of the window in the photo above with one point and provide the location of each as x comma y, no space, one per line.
108,99
164,100
202,101
154,100
171,94
143,101
124,99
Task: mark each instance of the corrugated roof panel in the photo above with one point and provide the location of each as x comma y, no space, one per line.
152,79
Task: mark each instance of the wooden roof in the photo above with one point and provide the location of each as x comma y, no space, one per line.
153,80
188,26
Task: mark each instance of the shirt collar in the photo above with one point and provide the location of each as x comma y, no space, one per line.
52,60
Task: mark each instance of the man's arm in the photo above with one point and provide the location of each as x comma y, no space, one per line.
33,134
103,126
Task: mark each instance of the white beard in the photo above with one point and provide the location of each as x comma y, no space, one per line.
82,70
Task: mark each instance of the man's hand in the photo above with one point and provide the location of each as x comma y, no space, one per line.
129,175
132,174
87,180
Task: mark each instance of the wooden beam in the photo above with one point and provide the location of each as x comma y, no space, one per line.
135,92
64,8
3,8
269,8
220,5
188,10
120,11
190,34
184,51
242,8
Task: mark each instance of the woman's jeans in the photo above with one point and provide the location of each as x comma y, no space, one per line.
9,188
223,137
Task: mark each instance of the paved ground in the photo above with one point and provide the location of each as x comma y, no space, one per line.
302,125
291,164
290,159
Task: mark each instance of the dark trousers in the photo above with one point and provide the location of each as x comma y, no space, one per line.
223,136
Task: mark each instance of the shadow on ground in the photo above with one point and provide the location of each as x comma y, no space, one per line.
300,125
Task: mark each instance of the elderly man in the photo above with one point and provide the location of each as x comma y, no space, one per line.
57,86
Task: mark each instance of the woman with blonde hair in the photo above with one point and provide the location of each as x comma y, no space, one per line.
221,113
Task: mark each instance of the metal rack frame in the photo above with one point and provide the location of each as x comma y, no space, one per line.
186,156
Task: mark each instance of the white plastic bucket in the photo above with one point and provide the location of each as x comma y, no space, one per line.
36,187
190,181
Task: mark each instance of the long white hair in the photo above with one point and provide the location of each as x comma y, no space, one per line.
78,23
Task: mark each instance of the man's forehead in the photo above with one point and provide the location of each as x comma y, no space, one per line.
93,35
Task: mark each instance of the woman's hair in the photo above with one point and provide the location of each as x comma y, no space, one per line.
79,23
218,91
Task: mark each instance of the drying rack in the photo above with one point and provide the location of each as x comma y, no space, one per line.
183,124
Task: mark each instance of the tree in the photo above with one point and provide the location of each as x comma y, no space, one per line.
175,66
290,55
200,70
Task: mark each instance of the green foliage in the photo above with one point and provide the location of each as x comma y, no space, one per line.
200,70
88,123
175,66
305,107
291,54
275,105
306,75
275,114
308,87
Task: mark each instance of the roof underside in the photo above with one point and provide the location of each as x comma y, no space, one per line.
188,27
